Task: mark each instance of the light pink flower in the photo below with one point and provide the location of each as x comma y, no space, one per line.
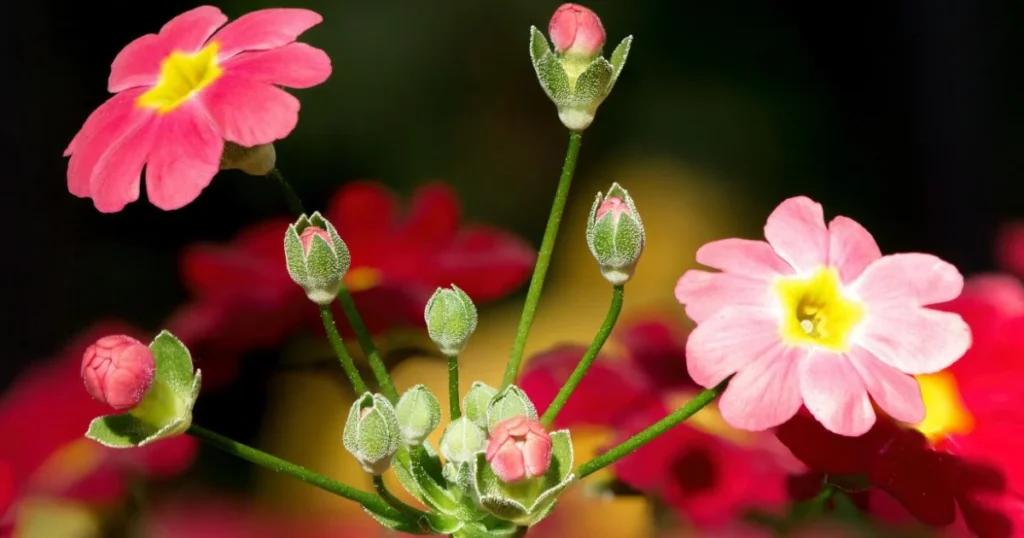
118,371
577,30
184,91
817,316
518,449
306,238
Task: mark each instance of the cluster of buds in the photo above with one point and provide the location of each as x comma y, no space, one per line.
575,75
153,388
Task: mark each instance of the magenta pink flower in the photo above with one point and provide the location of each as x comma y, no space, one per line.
518,449
817,316
118,371
577,30
181,93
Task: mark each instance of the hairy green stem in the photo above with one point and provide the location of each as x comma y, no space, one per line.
540,270
394,502
453,387
380,371
629,446
294,202
277,464
339,349
588,358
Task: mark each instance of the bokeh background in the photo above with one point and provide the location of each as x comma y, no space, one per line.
902,114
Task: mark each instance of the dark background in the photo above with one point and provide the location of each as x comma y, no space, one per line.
905,115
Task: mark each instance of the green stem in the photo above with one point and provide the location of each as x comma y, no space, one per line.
453,386
339,349
540,270
274,463
294,202
699,402
588,358
394,502
380,371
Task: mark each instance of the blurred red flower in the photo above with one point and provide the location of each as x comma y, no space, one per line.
43,419
963,461
243,298
708,471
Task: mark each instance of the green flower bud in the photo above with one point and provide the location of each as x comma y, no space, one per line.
372,433
511,402
476,401
575,76
615,234
462,440
419,414
451,319
317,257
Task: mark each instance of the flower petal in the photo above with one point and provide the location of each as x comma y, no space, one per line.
185,157
434,215
705,293
797,232
898,394
728,341
834,393
908,279
851,248
264,29
248,112
363,209
916,340
105,126
115,179
296,65
766,393
1010,248
138,64
744,257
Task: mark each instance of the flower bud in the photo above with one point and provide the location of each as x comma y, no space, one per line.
419,414
118,371
615,234
372,433
576,30
575,75
255,161
476,401
509,403
451,319
519,449
317,257
462,440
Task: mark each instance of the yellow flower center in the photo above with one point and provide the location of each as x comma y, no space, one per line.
815,312
945,412
362,278
182,76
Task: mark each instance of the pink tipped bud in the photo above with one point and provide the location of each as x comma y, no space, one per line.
118,370
307,237
518,449
614,205
576,30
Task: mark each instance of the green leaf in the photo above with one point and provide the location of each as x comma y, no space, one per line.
323,264
434,494
442,524
593,85
553,78
538,45
173,365
402,469
491,527
619,56
561,458
505,508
